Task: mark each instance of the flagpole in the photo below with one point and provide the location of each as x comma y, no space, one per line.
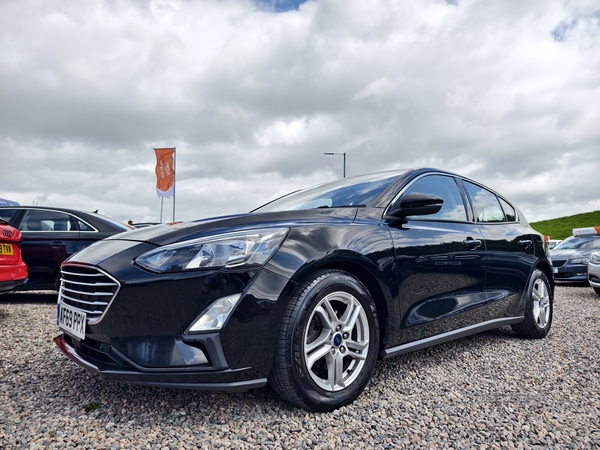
174,183
161,208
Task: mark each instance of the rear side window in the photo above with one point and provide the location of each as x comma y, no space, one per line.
509,211
444,187
42,220
84,226
487,206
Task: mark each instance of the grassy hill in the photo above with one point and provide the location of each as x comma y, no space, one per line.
563,226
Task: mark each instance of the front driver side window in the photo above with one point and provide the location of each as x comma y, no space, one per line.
444,187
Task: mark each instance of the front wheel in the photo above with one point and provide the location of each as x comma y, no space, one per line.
328,342
538,308
597,290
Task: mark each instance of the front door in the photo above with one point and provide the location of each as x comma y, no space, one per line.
440,261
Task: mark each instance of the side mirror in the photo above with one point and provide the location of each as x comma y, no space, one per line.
414,204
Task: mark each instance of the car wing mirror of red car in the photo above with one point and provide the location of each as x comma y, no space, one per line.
414,204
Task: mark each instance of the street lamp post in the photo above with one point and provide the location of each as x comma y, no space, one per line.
344,160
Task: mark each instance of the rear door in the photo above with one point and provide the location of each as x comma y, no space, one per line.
510,249
49,237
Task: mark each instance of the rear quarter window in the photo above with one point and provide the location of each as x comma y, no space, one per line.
7,214
509,212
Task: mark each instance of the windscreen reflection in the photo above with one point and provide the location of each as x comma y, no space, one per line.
356,191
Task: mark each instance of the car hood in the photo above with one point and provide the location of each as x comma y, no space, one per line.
170,233
570,253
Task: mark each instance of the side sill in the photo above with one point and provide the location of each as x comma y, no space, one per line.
239,386
449,336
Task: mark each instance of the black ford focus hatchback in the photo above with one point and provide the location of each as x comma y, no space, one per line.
309,291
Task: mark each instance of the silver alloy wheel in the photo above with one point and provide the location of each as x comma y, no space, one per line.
336,341
541,303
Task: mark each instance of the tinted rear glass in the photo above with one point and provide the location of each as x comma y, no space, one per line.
39,220
6,214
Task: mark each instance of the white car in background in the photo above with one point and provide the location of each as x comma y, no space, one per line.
594,271
553,243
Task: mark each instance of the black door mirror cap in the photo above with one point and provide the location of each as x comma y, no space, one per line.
414,204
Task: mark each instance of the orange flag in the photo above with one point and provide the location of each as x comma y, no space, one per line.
165,172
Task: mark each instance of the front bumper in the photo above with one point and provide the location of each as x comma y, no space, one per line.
594,275
140,334
571,273
225,380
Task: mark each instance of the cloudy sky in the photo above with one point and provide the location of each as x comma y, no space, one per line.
252,93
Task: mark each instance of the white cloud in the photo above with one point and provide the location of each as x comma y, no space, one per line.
505,92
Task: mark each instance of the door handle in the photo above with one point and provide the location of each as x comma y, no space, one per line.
57,244
472,243
526,242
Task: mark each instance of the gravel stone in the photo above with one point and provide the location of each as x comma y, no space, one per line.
489,391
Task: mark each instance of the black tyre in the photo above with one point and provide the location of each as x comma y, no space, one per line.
538,308
328,343
597,290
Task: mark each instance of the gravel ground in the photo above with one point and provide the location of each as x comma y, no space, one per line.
487,391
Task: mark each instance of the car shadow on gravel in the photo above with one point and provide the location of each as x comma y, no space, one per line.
86,393
91,394
30,297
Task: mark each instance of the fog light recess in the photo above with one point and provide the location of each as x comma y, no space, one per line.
214,317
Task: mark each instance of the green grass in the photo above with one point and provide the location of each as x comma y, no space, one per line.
562,227
91,406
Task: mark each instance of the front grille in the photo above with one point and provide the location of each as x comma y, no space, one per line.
87,288
558,262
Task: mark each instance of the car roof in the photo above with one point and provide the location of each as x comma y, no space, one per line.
91,216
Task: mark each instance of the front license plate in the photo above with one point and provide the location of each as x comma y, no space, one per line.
6,249
71,320
555,270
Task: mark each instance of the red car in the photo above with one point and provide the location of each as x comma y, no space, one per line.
13,271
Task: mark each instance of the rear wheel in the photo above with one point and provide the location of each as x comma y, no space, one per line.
328,342
538,308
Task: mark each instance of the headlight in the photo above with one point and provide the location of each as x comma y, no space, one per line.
251,248
595,258
578,261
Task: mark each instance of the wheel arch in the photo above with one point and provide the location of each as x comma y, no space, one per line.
546,268
358,268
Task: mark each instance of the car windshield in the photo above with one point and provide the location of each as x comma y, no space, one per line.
356,191
579,242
